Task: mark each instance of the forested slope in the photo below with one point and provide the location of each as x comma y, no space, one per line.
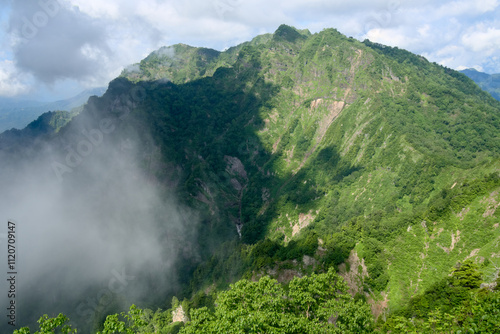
302,152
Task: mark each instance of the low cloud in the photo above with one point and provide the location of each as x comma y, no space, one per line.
96,230
134,68
168,52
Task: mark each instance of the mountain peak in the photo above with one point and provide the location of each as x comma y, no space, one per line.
488,82
288,33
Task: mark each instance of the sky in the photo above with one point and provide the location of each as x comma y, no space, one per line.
52,49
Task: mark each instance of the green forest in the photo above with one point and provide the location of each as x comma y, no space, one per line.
342,187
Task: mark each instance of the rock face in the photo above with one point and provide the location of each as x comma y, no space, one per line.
178,315
354,277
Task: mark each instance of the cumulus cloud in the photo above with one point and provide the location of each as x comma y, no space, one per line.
55,42
11,84
447,33
90,41
467,7
483,39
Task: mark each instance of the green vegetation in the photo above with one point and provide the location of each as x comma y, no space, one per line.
50,325
452,305
313,304
330,155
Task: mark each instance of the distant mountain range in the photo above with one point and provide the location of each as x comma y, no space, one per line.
18,113
488,82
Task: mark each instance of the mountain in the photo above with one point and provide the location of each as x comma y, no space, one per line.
17,113
488,82
285,156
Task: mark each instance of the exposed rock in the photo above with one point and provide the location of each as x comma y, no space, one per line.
454,240
266,194
178,315
282,276
424,226
235,167
236,185
304,221
462,213
287,275
353,277
473,253
490,286
492,205
308,261
316,103
379,307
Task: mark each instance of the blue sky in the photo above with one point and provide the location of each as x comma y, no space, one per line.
52,49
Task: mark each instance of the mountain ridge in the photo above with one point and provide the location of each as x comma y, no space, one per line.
488,82
351,153
17,114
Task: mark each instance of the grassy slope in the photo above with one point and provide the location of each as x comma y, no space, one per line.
353,132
